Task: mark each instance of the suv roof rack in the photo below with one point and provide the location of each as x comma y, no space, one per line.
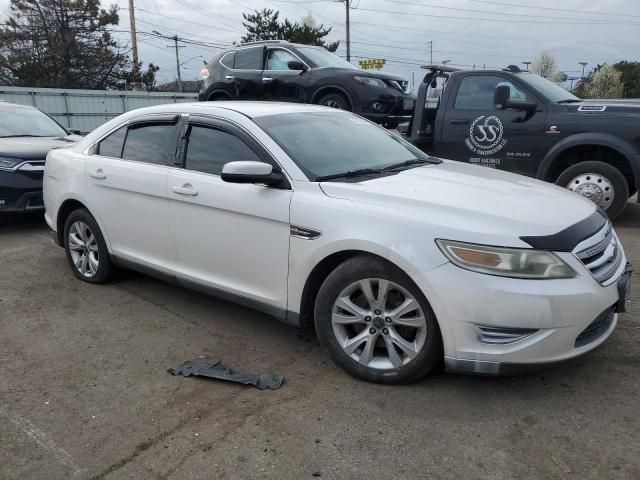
264,41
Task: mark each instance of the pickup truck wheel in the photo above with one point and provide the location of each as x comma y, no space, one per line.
376,323
600,182
334,100
86,249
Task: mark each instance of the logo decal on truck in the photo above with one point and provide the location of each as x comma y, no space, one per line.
485,135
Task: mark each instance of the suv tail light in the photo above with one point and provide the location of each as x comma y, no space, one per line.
204,73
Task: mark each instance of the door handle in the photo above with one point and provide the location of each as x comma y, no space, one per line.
229,77
267,79
98,174
460,121
186,189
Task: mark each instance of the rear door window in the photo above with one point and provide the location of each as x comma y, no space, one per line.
249,59
208,149
151,143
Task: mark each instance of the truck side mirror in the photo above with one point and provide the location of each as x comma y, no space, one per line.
501,97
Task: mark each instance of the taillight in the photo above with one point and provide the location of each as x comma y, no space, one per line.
204,73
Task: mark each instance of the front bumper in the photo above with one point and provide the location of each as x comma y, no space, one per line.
391,106
560,317
20,191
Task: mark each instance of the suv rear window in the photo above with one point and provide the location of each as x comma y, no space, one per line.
227,60
249,59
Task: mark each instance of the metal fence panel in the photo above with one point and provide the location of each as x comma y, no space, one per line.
86,109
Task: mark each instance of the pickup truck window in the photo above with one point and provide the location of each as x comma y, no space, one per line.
550,90
476,92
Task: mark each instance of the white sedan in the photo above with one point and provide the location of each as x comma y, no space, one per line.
319,217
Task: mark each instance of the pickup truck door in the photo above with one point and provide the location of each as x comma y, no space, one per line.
281,84
474,131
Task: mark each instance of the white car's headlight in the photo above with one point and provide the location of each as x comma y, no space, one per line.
7,163
506,262
372,82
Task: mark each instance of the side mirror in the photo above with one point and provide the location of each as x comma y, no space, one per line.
75,131
250,172
296,65
501,101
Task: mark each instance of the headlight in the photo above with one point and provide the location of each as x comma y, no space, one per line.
372,82
7,163
506,262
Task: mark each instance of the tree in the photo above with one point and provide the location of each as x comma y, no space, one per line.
606,82
264,25
61,43
139,80
630,76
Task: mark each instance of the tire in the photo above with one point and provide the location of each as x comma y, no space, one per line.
83,240
335,100
600,182
374,334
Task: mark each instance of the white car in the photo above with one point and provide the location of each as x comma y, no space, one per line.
319,217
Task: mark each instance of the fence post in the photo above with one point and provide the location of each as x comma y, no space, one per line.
66,106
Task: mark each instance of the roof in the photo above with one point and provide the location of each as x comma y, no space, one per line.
9,105
246,108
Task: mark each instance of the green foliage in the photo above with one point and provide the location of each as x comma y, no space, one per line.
61,43
265,25
626,84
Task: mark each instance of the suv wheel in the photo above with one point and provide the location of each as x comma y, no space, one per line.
600,182
86,249
334,100
375,322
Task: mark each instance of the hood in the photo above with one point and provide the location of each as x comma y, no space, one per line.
624,106
350,72
33,148
490,204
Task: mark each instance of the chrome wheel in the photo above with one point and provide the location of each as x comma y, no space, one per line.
332,104
83,248
379,324
595,187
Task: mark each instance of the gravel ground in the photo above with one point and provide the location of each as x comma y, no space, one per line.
84,392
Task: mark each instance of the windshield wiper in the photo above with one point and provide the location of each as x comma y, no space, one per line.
407,163
570,100
350,173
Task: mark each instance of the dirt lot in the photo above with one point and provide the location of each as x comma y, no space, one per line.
84,392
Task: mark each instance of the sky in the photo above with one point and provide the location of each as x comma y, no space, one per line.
491,33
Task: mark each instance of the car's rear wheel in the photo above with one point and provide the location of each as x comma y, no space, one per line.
600,182
375,322
334,100
86,249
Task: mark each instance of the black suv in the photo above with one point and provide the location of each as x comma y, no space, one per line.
277,70
26,136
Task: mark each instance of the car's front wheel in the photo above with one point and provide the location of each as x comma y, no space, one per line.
86,249
375,322
334,100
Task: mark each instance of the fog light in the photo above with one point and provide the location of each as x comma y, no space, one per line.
2,202
377,106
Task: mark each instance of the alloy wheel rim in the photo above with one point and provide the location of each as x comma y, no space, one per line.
332,104
83,247
379,324
595,187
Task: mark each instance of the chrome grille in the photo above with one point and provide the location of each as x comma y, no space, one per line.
602,254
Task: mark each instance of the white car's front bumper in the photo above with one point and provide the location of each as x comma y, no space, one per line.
540,320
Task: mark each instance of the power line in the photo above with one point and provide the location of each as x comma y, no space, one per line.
608,14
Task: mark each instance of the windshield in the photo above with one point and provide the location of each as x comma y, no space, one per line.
328,143
28,122
324,58
552,91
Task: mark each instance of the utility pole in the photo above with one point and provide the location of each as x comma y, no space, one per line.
175,39
584,64
348,5
430,44
526,64
134,41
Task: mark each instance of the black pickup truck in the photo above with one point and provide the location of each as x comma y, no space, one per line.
520,122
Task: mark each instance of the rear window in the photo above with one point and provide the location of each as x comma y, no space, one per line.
249,59
228,59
